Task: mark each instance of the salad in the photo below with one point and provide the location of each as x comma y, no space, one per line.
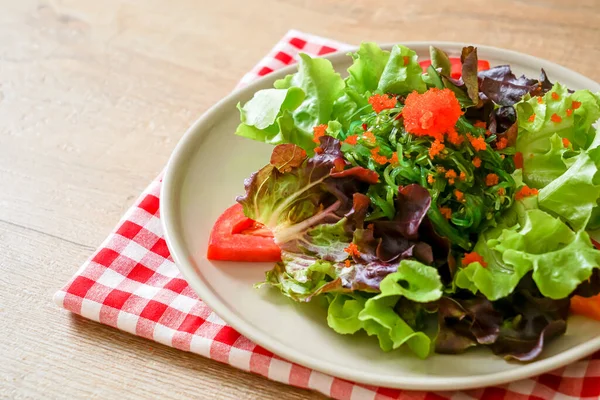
438,205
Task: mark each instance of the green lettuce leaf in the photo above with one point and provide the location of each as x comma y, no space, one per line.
348,313
400,76
440,60
322,86
558,273
545,167
568,179
263,116
560,258
573,195
586,116
345,111
379,319
368,64
539,127
299,102
497,279
302,277
328,241
263,109
343,311
415,281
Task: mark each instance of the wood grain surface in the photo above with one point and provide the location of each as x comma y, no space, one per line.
94,95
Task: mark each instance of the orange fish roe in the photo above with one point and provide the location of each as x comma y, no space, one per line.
378,158
531,118
491,179
318,132
352,139
394,159
555,96
575,105
318,150
369,137
540,100
556,118
480,124
433,113
446,212
406,60
440,169
501,191
476,162
477,143
525,191
430,179
381,102
462,176
347,263
451,175
454,138
566,142
436,148
460,196
502,143
569,112
352,249
473,257
518,159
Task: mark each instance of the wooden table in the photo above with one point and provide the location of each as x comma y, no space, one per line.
94,95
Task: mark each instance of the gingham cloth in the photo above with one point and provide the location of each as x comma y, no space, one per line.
131,283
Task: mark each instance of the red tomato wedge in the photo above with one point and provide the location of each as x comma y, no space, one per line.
456,66
588,306
235,237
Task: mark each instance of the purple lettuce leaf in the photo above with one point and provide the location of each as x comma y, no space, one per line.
443,259
501,86
545,84
513,343
465,323
502,119
400,235
310,192
410,235
536,321
516,327
590,287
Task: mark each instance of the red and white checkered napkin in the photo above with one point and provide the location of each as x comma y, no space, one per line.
131,283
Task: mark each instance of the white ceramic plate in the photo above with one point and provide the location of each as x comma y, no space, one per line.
206,173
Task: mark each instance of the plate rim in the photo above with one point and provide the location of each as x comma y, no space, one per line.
174,174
